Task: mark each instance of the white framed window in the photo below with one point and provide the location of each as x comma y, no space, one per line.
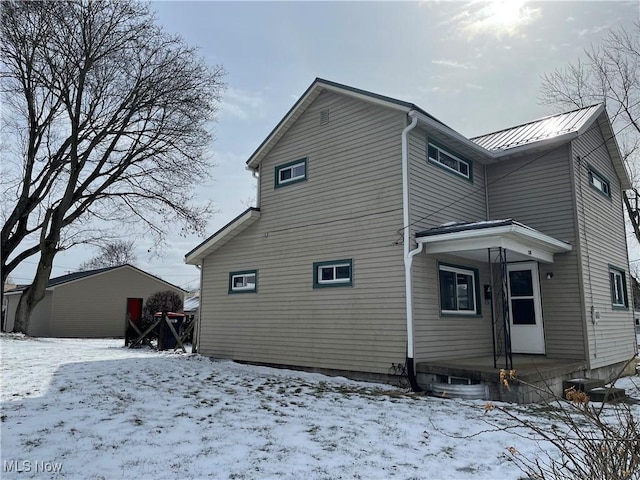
599,182
618,283
243,282
292,172
448,160
336,273
458,290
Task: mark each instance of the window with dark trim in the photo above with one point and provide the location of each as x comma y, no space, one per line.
446,159
290,173
618,283
335,273
243,282
599,182
459,290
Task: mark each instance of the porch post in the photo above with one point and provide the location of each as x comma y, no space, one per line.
493,315
505,310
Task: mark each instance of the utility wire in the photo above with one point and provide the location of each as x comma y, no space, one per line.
526,164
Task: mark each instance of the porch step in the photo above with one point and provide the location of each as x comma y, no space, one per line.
604,394
595,389
582,384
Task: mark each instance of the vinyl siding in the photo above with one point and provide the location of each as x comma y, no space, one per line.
602,242
439,336
439,196
12,306
350,207
96,306
536,190
40,322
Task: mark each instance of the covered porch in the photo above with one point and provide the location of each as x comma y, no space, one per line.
513,253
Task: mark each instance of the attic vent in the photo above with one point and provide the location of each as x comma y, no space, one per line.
324,116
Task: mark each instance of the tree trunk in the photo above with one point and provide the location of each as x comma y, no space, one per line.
36,292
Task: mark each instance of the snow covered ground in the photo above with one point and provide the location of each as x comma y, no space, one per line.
91,409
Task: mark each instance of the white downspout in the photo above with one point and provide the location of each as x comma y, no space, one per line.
195,344
408,255
256,174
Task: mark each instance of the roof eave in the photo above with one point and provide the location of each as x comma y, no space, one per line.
526,240
305,100
539,144
486,154
614,150
215,241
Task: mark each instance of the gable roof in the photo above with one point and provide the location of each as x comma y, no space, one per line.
541,129
222,236
315,89
72,277
491,147
555,129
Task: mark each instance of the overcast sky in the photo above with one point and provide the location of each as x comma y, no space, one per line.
476,66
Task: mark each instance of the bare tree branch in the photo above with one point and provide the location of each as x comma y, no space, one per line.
115,115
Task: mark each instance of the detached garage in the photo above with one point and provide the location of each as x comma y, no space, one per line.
94,303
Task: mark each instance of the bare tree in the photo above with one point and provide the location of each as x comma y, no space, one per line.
111,255
111,118
610,74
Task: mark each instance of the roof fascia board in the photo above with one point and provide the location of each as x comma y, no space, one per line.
614,150
13,292
320,84
471,244
587,123
259,152
237,225
487,154
53,287
526,235
367,97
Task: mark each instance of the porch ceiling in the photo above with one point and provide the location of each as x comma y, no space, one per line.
471,240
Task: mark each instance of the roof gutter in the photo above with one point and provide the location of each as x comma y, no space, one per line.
408,255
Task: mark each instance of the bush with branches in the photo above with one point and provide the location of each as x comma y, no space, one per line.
586,441
164,301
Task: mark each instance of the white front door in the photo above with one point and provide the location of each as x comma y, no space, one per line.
525,309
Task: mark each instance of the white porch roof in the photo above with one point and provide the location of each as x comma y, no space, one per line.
472,240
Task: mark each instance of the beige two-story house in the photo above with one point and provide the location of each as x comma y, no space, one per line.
385,242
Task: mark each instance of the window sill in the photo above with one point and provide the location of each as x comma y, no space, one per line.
461,315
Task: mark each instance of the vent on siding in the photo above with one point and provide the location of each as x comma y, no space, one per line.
324,116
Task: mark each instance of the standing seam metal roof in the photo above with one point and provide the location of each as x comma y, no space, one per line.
537,130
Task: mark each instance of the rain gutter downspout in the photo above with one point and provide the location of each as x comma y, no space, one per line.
408,255
255,173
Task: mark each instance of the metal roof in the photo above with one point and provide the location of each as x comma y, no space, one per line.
541,129
463,226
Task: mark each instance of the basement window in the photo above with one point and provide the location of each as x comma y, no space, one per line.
336,273
243,282
290,173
